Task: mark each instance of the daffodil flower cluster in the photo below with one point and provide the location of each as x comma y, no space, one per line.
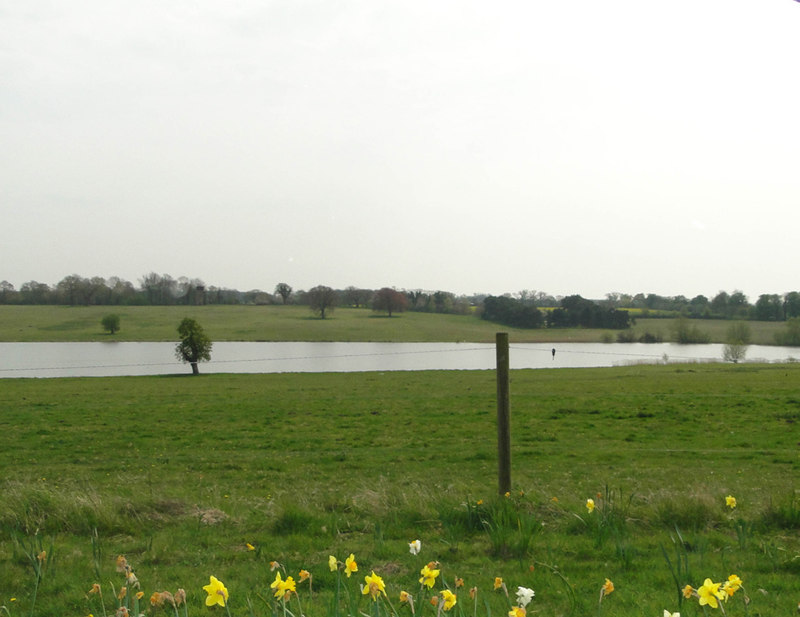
711,593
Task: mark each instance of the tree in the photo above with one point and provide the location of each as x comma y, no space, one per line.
194,345
736,342
321,299
110,323
284,291
389,300
769,307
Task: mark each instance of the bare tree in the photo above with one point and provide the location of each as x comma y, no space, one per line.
321,299
284,291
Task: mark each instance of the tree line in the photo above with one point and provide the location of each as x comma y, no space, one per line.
573,311
163,289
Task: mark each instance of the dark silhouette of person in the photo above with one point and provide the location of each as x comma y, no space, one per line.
554,353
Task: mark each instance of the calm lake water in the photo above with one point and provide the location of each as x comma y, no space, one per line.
111,359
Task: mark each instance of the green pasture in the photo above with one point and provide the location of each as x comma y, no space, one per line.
298,323
180,473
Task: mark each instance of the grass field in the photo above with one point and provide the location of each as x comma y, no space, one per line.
297,323
180,474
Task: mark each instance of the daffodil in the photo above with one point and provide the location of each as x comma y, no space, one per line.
405,596
350,565
373,585
429,575
517,611
282,587
668,614
449,599
304,575
249,546
498,583
710,594
414,547
217,594
333,563
524,596
731,586
180,597
590,505
730,501
607,588
688,591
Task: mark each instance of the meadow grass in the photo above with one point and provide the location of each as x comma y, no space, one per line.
181,473
297,323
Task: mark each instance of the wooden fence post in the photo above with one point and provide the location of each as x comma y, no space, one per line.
503,415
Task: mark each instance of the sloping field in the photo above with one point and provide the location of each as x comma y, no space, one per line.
180,474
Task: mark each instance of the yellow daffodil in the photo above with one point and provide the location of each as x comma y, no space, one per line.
498,583
405,596
156,599
350,565
333,563
217,594
710,594
516,611
479,502
304,575
459,582
122,563
282,587
139,595
250,547
373,585
731,586
607,588
688,591
730,501
429,575
449,599
590,505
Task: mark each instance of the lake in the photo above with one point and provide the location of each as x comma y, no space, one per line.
114,359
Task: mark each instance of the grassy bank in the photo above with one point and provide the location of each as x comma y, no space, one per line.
180,474
297,323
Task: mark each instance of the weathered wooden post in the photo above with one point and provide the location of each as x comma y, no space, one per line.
503,415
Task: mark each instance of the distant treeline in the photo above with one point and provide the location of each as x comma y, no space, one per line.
515,309
574,311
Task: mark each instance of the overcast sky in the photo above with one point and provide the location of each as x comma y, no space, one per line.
470,146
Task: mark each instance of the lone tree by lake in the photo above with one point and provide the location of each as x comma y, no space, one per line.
194,345
110,323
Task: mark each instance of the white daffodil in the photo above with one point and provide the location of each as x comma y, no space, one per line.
415,547
524,596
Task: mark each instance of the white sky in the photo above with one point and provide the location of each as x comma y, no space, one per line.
471,146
